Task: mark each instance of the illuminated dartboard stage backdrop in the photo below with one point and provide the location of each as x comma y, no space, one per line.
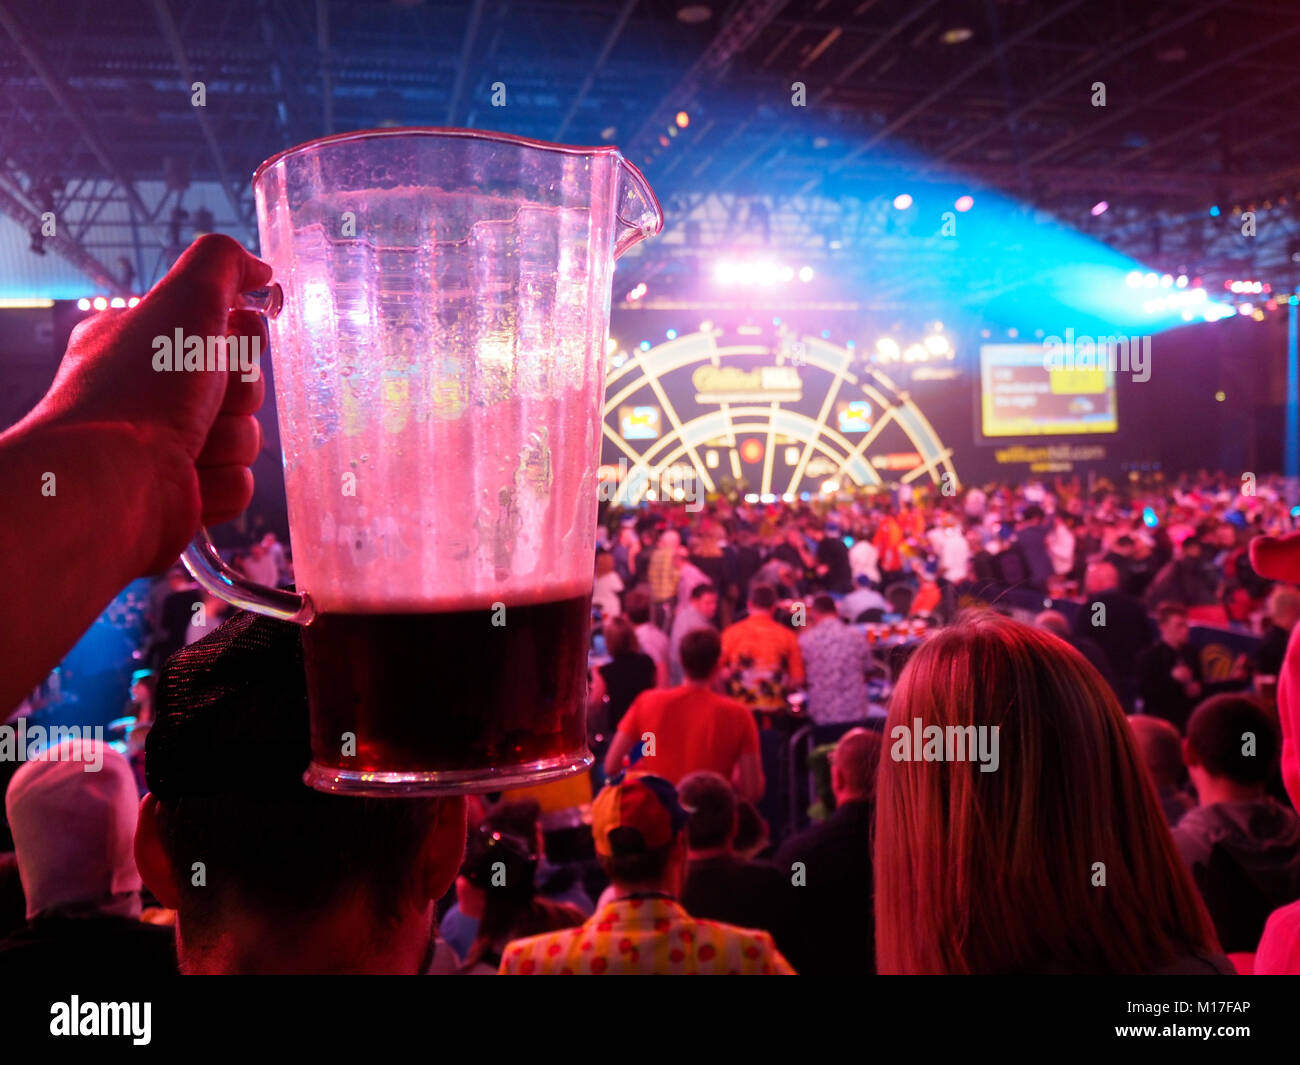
772,410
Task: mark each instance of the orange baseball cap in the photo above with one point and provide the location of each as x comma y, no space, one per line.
636,813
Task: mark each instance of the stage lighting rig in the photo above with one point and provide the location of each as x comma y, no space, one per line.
179,217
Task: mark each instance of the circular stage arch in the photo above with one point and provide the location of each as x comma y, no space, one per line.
771,413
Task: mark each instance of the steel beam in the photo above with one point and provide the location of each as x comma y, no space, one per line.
56,89
948,86
462,68
95,270
611,38
172,35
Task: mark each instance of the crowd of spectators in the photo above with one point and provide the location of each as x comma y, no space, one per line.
1120,756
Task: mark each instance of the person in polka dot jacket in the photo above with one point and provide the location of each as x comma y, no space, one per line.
639,827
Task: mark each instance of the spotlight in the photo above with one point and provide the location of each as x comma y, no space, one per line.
1166,280
683,120
1100,208
957,35
964,203
902,201
1214,211
1181,281
1134,279
645,345
133,301
99,303
1150,280
692,14
117,302
887,347
83,304
763,272
914,353
671,334
937,344
805,273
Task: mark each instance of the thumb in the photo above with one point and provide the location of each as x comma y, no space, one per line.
211,272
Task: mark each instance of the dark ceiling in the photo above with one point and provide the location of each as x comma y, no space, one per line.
95,104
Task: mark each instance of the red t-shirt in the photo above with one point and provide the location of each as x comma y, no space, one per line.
694,728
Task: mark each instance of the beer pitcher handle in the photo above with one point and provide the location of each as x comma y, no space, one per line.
201,557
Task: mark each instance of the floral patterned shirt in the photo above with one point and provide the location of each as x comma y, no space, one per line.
761,662
836,658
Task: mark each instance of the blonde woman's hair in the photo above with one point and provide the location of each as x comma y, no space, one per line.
1059,860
